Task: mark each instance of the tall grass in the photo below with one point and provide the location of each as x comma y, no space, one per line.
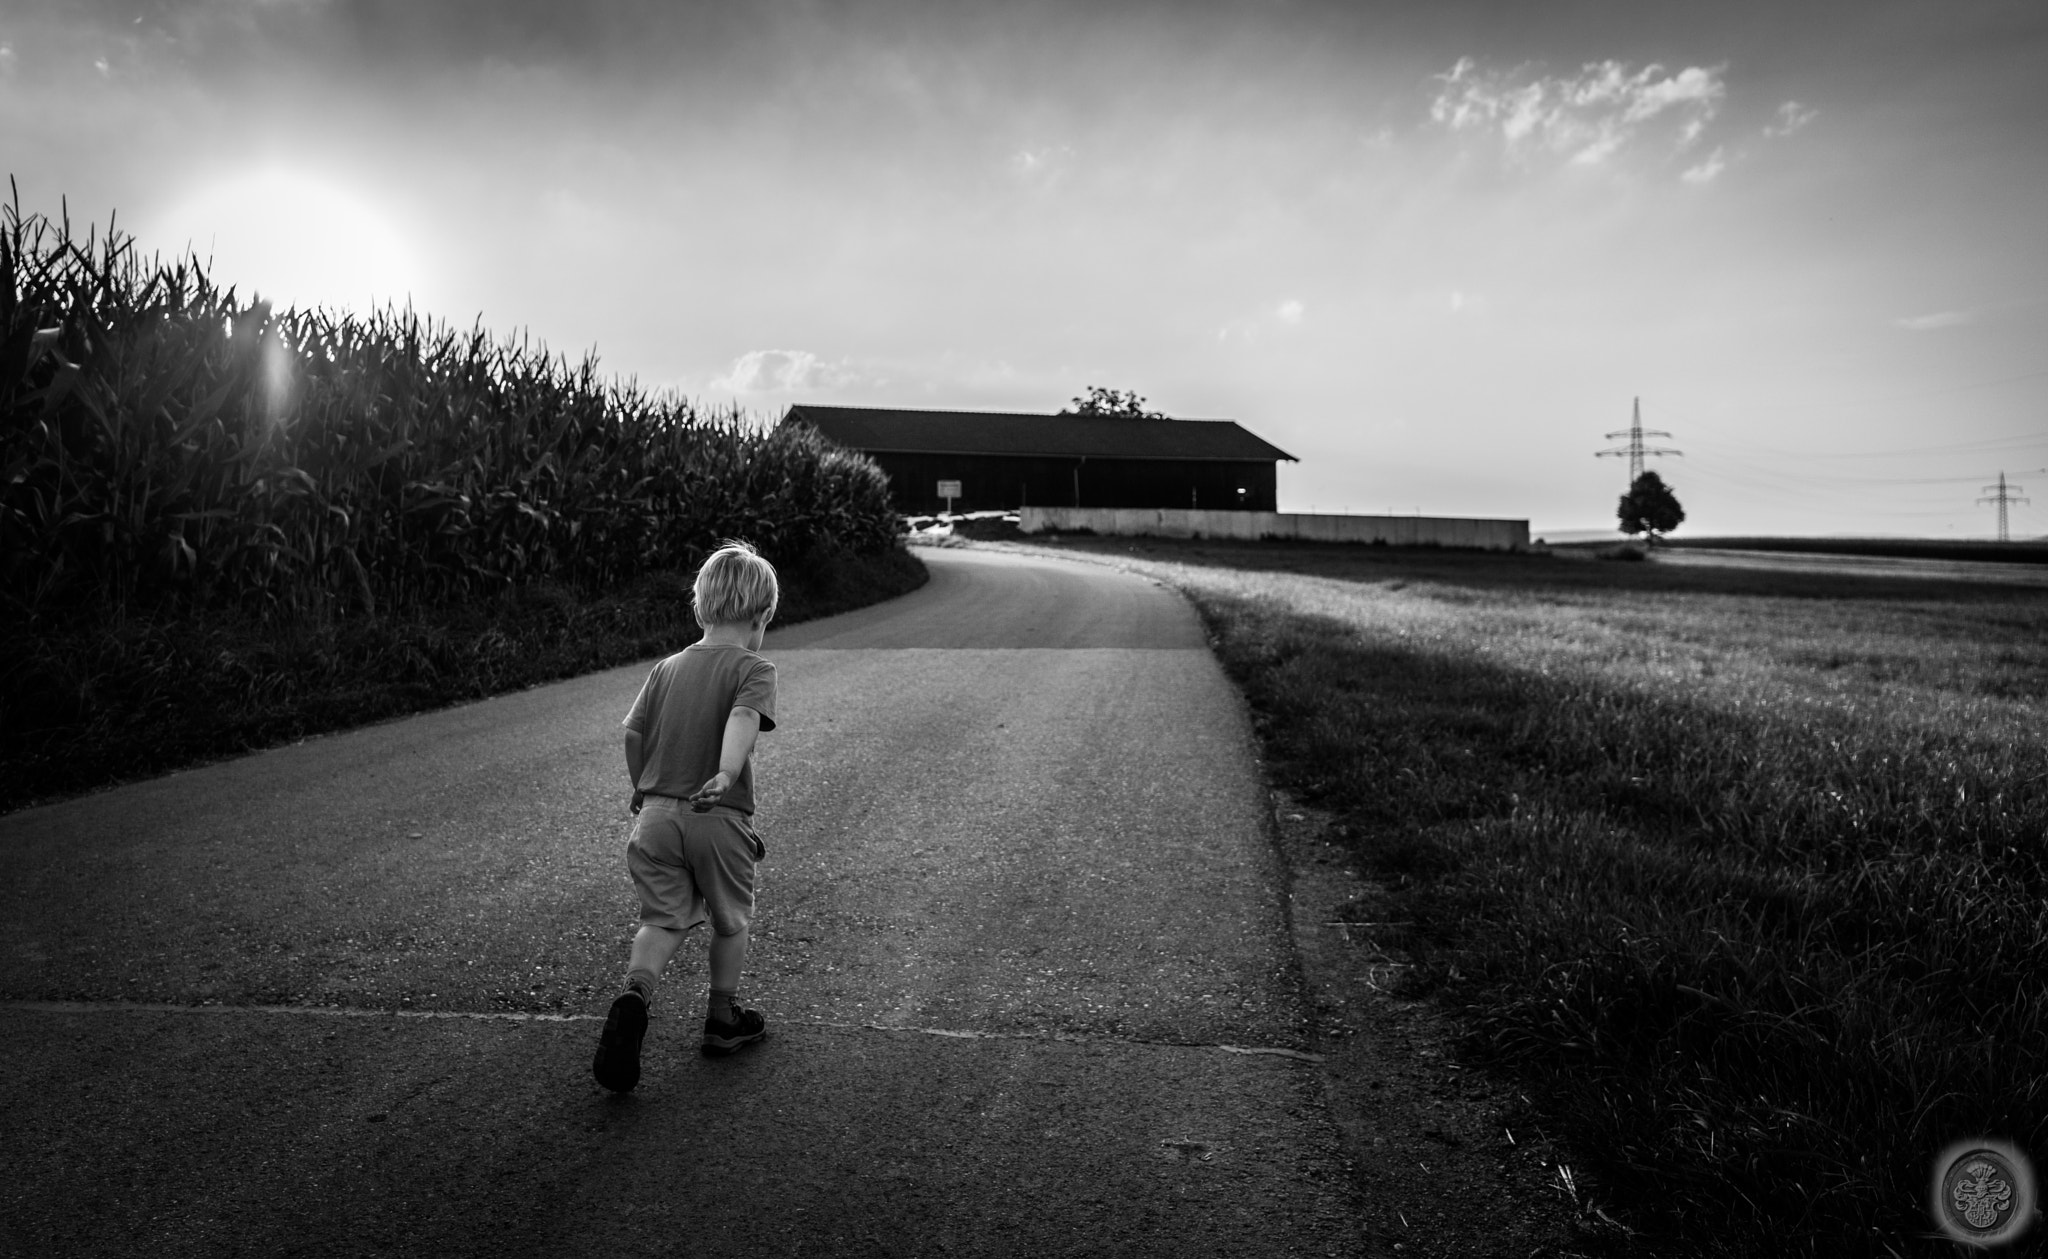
1743,877
165,441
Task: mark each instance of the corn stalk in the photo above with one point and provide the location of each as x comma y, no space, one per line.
165,442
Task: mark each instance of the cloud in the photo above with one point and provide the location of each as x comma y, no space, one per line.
787,371
6,58
1041,163
1460,302
1791,116
1281,316
1704,173
1938,319
1380,141
1587,117
948,378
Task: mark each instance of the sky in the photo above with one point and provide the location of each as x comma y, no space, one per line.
1436,251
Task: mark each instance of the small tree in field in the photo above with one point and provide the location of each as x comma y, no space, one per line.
1650,507
1123,404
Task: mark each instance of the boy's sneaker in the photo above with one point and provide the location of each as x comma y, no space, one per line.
617,1065
721,1037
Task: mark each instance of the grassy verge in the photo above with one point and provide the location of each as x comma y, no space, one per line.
1893,548
94,703
1739,875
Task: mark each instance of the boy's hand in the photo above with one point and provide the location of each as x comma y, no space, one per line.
639,798
708,794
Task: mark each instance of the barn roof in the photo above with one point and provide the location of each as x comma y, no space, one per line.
878,429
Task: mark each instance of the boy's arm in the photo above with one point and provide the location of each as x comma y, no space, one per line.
742,726
635,761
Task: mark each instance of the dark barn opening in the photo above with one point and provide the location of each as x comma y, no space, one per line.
1003,461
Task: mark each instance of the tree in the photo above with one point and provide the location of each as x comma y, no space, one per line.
1650,507
1122,404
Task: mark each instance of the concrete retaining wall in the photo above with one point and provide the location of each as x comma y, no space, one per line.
1181,522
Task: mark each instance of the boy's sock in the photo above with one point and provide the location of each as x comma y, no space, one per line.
720,1005
642,982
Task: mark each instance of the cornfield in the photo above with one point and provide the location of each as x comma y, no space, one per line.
165,444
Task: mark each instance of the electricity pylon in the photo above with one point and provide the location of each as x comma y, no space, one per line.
2002,494
1635,450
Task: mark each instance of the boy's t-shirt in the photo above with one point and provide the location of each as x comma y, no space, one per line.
681,712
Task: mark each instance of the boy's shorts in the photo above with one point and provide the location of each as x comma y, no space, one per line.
693,867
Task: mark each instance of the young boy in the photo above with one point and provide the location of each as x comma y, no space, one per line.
689,740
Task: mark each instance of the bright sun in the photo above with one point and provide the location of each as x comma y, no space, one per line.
293,238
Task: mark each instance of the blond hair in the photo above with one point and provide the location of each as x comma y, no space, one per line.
735,586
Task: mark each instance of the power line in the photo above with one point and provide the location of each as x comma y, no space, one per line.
1746,454
1951,389
1982,446
1865,404
1766,486
1635,450
1709,461
2003,496
1762,483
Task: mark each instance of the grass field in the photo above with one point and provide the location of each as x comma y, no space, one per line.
1739,875
101,701
2032,551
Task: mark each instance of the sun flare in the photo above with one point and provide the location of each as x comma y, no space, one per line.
295,238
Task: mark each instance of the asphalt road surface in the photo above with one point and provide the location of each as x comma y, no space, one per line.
1021,945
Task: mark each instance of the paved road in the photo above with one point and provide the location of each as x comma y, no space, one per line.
1019,927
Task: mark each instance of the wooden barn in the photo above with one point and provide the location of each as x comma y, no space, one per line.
1007,461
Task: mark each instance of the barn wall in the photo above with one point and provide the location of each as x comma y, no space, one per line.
1489,535
989,482
1207,485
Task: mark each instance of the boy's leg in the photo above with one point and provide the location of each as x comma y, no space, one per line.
652,948
669,906
728,958
670,903
727,1024
723,850
617,1065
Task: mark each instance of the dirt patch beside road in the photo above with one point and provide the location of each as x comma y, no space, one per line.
1446,1159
